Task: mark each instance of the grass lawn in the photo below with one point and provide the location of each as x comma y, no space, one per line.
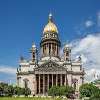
28,98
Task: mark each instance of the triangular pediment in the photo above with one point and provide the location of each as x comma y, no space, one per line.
50,66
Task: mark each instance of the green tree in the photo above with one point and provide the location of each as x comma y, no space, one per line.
53,91
69,91
61,91
3,89
27,91
88,90
10,90
96,95
18,91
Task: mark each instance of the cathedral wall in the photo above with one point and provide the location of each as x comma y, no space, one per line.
24,68
69,67
69,78
48,57
78,82
31,82
31,68
20,82
76,68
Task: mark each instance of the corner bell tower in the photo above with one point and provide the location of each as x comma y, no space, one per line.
33,52
67,53
50,43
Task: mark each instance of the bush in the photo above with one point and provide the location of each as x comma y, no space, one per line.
53,91
18,91
9,90
61,91
88,90
96,95
69,91
3,89
27,91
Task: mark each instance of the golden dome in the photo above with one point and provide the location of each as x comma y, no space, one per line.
50,27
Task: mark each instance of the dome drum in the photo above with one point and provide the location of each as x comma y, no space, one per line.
45,41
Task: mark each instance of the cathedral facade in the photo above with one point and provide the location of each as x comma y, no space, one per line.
50,69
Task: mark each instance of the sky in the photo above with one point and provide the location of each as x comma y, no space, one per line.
22,23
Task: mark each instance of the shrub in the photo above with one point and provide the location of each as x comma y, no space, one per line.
61,91
88,90
9,90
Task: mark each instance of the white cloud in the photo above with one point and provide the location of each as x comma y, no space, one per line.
92,74
89,48
8,69
98,19
89,23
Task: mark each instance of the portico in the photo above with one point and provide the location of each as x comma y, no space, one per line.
46,81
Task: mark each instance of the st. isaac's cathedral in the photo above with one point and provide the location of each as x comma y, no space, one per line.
50,69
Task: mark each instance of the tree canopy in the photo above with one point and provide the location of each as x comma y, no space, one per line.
10,90
61,91
89,90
